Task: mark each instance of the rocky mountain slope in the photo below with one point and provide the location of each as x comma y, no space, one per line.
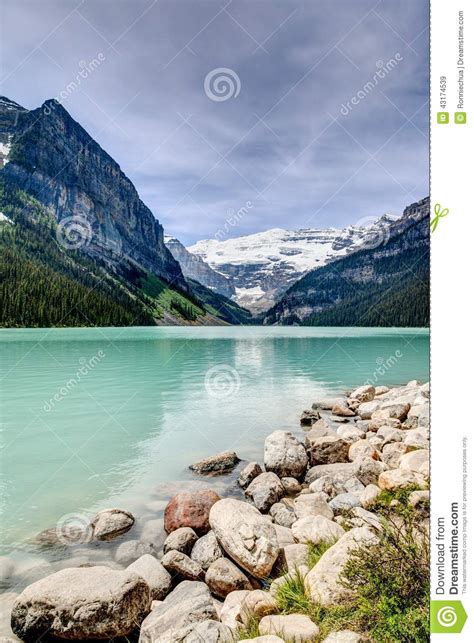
262,266
194,267
384,283
79,247
50,156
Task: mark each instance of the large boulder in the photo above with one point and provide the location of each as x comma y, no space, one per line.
156,576
80,604
298,628
111,523
224,577
206,550
316,529
285,455
265,490
322,582
395,479
216,465
189,603
328,450
190,509
247,537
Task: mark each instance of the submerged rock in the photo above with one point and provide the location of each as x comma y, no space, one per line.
111,523
81,603
248,473
216,464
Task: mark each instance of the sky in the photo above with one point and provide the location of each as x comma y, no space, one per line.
230,116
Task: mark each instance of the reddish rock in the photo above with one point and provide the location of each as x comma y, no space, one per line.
190,509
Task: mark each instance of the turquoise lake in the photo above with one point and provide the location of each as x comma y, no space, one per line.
102,417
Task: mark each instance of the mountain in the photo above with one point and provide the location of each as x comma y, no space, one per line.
50,156
384,283
194,267
262,266
79,247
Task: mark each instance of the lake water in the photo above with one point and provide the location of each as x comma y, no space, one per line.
93,418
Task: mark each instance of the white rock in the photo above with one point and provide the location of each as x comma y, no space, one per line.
418,461
81,603
322,582
369,496
265,490
312,504
245,535
206,550
285,455
189,603
316,529
232,609
297,628
111,523
394,479
156,576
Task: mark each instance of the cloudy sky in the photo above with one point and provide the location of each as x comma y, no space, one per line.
275,136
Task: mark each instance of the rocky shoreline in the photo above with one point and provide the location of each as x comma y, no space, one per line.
227,565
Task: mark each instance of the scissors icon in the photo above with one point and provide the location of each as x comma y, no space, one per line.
439,214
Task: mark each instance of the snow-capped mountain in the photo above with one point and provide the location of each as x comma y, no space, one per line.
194,267
262,266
